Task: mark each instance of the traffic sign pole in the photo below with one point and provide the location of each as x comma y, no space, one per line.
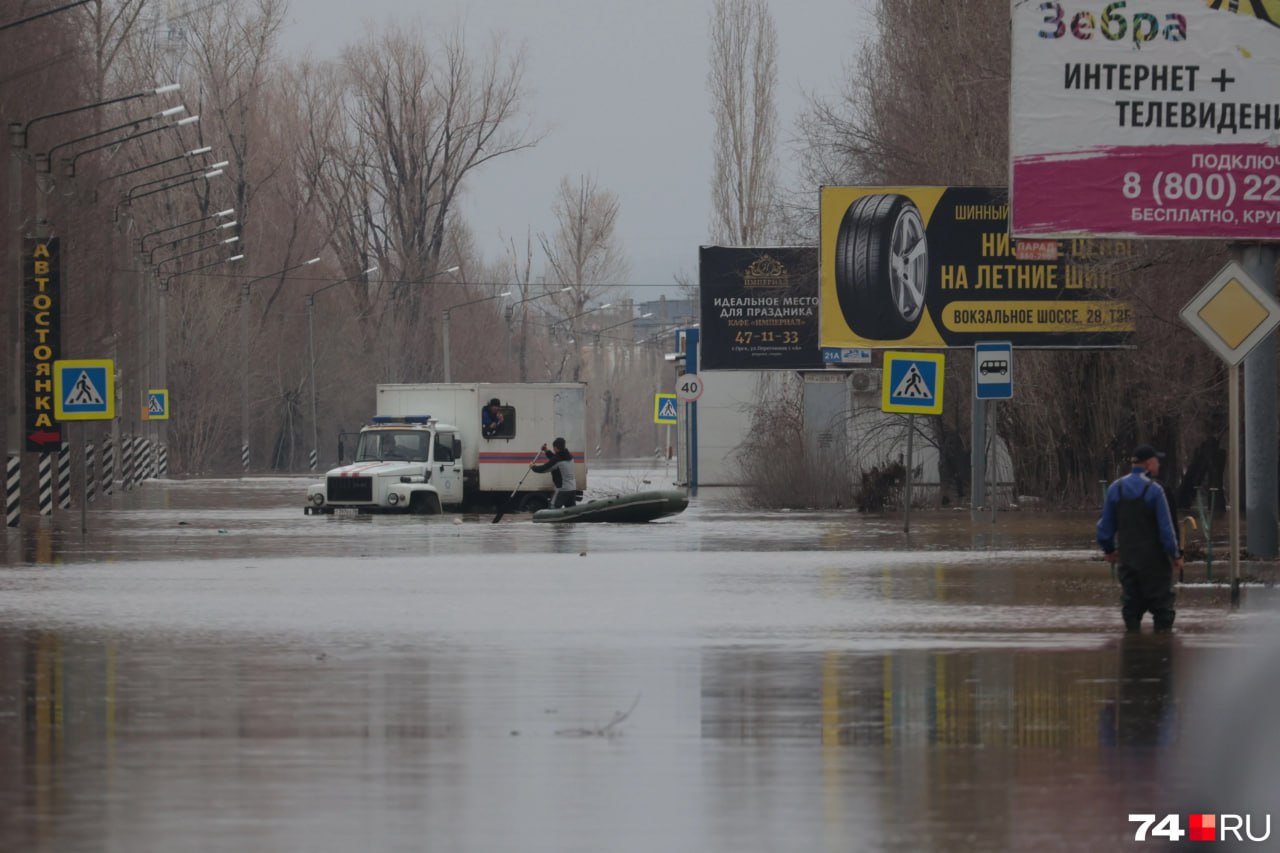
1233,454
911,434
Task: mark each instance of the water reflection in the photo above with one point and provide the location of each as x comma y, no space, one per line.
216,672
129,740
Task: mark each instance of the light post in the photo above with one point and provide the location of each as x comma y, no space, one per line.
510,312
596,338
445,327
244,356
163,283
142,241
162,361
314,456
69,163
11,363
44,14
577,352
225,225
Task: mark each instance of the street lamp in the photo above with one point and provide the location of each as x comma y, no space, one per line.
163,283
11,364
568,320
623,323
510,310
447,311
163,261
162,359
232,224
70,163
209,171
311,357
244,356
142,241
44,14
185,155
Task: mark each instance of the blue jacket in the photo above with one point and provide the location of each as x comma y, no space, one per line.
1128,488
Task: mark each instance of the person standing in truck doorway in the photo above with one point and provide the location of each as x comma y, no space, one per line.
1137,513
560,464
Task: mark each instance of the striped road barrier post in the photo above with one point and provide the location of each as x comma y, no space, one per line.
45,470
108,465
13,491
64,476
88,472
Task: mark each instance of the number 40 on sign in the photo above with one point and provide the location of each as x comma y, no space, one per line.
688,388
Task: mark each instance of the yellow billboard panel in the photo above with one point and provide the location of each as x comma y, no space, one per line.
935,267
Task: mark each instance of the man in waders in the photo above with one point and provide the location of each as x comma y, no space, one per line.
1137,513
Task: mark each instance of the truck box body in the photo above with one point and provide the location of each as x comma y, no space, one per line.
535,413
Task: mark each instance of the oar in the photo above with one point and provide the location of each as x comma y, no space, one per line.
507,503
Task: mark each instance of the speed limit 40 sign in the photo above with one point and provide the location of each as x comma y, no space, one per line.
688,388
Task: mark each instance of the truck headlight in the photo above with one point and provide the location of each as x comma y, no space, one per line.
317,499
393,498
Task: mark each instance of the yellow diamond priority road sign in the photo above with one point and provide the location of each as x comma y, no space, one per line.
1232,313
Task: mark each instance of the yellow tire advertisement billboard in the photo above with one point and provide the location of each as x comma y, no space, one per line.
936,267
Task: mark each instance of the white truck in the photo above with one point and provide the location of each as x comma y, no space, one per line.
424,451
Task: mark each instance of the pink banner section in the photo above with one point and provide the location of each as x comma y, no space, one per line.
1227,192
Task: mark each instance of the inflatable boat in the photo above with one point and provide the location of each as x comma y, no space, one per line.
635,508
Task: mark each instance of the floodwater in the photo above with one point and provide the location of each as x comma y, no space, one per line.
208,669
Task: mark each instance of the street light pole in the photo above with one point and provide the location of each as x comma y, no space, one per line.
524,324
244,357
11,360
314,456
445,329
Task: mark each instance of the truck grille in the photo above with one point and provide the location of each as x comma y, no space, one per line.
350,489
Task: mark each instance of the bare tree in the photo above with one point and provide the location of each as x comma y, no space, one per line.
582,253
424,117
742,80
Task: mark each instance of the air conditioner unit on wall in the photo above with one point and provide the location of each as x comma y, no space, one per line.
864,380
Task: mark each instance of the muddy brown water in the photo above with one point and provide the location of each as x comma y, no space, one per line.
207,669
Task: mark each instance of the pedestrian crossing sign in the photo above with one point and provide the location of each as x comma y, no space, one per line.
664,409
912,383
84,390
157,408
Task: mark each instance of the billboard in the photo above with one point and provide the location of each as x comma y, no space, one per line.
935,267
759,308
42,340
1145,118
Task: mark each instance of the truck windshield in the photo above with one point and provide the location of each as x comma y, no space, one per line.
406,445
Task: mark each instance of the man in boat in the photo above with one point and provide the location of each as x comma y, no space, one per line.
1137,512
560,464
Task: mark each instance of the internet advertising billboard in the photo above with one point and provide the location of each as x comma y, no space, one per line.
936,267
1145,118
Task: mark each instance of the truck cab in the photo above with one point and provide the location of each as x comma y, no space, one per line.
402,465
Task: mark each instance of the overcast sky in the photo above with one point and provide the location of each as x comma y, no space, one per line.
620,88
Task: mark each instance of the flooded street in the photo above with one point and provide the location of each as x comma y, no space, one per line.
208,669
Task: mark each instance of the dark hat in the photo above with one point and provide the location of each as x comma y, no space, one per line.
495,402
1143,452
559,442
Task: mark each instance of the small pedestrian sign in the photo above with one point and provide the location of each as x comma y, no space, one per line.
664,409
84,390
993,371
912,383
157,408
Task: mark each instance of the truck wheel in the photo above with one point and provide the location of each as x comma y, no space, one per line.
882,267
424,504
533,503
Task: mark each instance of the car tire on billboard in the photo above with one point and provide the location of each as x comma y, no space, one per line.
882,266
